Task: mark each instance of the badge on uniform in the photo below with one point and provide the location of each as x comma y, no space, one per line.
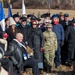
24,57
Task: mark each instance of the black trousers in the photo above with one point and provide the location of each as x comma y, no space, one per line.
32,63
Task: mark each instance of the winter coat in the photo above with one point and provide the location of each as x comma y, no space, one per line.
65,25
25,31
59,31
70,39
5,44
15,52
36,42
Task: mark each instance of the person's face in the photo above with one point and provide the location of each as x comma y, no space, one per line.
74,24
7,22
20,38
62,17
46,23
13,26
49,28
34,24
66,18
16,19
56,19
23,23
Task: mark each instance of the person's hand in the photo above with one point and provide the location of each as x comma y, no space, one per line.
41,49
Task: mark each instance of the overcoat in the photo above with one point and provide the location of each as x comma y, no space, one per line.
70,39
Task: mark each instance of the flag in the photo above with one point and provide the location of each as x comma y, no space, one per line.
9,11
23,8
2,17
2,2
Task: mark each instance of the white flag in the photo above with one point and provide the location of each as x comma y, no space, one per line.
23,8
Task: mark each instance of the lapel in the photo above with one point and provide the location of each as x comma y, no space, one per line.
72,29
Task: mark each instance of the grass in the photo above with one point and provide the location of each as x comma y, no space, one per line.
35,11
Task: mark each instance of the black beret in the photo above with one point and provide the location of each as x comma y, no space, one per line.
45,15
15,15
35,18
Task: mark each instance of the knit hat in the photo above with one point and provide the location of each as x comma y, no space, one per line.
11,22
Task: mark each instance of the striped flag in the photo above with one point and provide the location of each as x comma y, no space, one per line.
23,8
2,17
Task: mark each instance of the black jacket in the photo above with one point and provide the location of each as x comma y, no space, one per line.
15,53
25,31
70,39
65,25
36,42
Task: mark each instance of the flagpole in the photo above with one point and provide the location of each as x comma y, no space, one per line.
48,5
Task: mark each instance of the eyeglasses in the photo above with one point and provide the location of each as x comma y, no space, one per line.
34,24
46,22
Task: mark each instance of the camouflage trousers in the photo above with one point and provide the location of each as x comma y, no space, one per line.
49,57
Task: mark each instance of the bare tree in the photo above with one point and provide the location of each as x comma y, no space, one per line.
71,1
74,1
58,1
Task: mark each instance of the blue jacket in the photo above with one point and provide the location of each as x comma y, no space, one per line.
59,31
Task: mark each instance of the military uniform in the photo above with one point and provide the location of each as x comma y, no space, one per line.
50,46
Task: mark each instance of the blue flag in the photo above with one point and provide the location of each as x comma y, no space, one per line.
2,17
9,11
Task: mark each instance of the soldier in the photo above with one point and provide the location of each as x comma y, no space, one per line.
50,46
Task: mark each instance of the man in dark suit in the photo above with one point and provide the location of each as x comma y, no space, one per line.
70,39
66,21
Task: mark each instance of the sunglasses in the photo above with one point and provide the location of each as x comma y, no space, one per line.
34,24
46,22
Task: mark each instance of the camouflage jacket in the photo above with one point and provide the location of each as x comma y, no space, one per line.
50,41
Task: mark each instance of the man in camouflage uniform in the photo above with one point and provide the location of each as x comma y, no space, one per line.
50,45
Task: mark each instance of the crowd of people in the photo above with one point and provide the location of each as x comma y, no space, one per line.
41,45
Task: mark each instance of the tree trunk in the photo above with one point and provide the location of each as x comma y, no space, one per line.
58,1
71,1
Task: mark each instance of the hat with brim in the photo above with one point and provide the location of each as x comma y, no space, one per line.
11,21
66,15
23,19
49,25
55,16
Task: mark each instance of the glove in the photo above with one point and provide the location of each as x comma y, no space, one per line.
41,49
